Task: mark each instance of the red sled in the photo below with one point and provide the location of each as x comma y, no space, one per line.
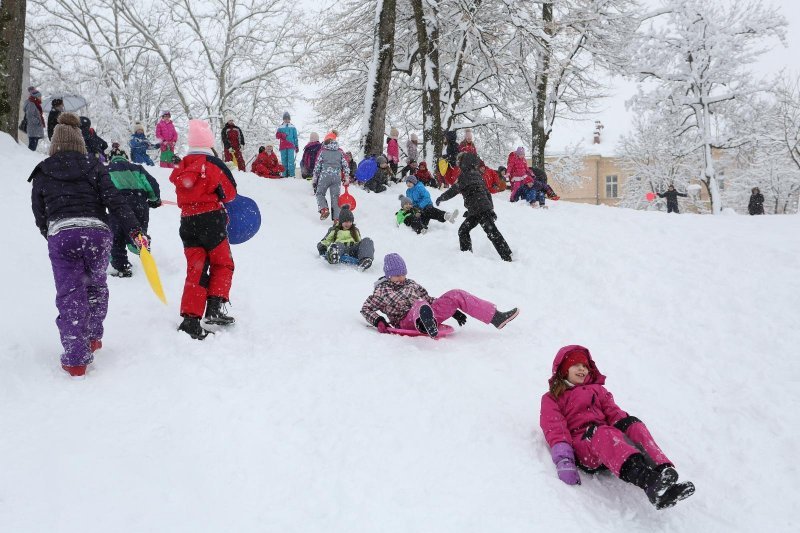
444,331
347,198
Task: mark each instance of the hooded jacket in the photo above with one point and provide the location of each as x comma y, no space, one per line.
94,143
419,195
566,418
202,183
516,167
166,132
309,159
470,184
330,162
393,299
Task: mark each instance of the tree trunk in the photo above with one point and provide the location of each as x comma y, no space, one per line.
12,39
429,73
539,134
377,95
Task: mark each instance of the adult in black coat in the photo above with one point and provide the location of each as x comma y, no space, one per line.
95,145
672,199
756,205
479,206
451,148
56,108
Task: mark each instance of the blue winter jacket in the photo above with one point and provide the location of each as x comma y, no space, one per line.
139,145
419,195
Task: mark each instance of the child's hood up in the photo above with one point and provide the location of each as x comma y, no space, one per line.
595,377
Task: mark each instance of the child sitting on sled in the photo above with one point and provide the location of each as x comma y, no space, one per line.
266,164
344,240
410,216
584,426
407,305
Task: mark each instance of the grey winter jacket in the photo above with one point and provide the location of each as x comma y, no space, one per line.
35,126
330,162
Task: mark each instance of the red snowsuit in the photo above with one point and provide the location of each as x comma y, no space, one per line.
586,417
203,184
266,165
492,179
467,146
516,170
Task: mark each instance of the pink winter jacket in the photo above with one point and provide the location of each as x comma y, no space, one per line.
516,167
393,151
565,419
166,132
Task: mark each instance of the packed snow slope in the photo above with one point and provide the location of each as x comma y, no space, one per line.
302,419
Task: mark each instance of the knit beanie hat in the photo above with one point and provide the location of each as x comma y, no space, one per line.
166,113
67,136
404,201
200,135
286,116
229,118
138,126
412,179
393,265
33,91
393,133
468,134
345,215
414,138
382,161
314,137
331,135
520,151
573,358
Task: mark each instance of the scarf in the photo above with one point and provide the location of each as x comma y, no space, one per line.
38,103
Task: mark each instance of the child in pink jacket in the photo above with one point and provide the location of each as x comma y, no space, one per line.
582,424
168,135
407,305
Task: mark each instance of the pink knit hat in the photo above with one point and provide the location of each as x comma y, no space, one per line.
200,135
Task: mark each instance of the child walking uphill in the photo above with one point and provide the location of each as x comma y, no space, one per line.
407,305
139,145
479,205
168,135
582,424
70,195
331,165
345,239
203,184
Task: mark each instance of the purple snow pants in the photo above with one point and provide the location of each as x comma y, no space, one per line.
445,305
610,447
80,257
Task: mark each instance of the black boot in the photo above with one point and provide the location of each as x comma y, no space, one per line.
216,312
660,484
501,318
426,323
365,263
192,326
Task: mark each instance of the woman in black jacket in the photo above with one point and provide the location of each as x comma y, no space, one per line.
756,205
56,108
479,205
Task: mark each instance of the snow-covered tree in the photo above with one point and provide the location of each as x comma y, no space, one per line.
12,33
379,75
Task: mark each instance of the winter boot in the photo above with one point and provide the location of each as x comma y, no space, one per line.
124,273
95,344
501,318
323,213
332,255
658,483
216,313
365,263
75,371
451,217
426,323
191,325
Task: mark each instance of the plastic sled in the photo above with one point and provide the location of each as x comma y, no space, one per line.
347,198
244,219
348,259
443,166
444,331
366,170
650,196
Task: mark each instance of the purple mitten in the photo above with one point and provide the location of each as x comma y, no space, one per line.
564,459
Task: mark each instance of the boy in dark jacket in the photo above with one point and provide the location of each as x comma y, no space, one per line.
672,199
410,216
478,202
141,192
70,195
95,145
56,108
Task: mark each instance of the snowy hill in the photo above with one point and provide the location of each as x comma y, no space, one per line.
301,419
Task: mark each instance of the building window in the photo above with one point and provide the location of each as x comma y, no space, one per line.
611,186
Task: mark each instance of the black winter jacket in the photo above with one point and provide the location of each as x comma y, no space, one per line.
71,185
470,184
52,120
226,143
756,205
671,196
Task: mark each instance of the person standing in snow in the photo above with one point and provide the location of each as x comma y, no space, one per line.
479,205
405,304
139,145
451,148
393,151
204,184
583,426
141,192
468,144
756,204
70,196
421,199
168,136
34,118
517,168
344,238
232,143
287,144
266,164
412,151
310,152
56,108
330,170
672,199
95,145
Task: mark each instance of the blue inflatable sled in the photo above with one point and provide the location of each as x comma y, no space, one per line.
366,170
245,219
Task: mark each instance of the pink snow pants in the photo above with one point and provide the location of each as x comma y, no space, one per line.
516,183
611,447
448,303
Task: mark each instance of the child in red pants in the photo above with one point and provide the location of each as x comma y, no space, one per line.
581,422
203,185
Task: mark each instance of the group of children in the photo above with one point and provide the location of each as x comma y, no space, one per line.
73,195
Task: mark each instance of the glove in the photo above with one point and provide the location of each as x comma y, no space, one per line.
460,317
140,239
564,459
438,201
154,203
382,325
555,197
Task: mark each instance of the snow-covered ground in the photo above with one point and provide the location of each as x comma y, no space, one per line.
301,419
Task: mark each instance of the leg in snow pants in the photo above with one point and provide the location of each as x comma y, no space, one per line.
329,183
119,250
287,160
609,446
448,303
79,257
432,213
360,250
209,264
486,221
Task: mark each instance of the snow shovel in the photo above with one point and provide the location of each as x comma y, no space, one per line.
151,271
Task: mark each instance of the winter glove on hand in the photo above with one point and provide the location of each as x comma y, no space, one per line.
438,201
153,204
382,325
140,239
564,459
460,317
